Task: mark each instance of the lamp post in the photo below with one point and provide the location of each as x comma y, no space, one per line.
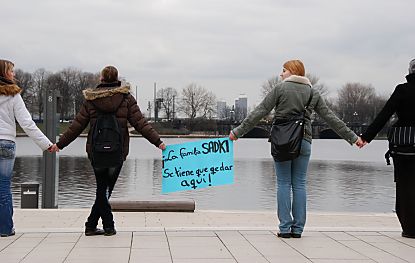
157,108
149,110
355,116
74,109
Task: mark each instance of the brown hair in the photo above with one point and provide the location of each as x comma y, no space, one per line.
296,67
5,66
109,74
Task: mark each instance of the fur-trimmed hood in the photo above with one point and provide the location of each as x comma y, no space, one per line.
298,79
102,92
8,88
107,97
8,91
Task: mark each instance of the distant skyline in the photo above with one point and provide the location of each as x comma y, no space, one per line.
229,47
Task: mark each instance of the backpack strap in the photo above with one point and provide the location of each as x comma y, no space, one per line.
96,108
308,104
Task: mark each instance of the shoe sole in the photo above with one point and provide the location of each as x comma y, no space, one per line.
96,232
284,235
407,236
93,234
5,235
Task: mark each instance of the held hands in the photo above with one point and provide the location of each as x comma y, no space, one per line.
53,148
162,146
232,136
360,142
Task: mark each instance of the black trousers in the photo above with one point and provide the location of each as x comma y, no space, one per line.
105,180
404,171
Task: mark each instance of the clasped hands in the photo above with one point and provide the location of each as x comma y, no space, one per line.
360,142
53,148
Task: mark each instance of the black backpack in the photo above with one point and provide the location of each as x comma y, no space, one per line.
107,143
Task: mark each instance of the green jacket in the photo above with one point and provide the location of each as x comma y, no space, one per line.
288,98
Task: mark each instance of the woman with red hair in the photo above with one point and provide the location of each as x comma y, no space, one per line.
289,98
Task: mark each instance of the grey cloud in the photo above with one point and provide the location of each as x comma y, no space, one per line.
228,46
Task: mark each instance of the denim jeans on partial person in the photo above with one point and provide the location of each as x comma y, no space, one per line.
291,177
7,156
105,179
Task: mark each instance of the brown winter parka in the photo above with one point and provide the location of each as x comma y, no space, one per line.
109,97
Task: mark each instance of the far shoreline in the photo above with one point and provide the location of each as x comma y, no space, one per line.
190,136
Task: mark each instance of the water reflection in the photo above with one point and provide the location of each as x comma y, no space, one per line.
351,186
332,185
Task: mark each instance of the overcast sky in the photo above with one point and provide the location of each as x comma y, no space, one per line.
227,46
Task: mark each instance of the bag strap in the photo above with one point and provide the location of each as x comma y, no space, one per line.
309,100
99,112
274,121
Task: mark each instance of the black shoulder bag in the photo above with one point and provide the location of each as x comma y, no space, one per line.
287,134
401,142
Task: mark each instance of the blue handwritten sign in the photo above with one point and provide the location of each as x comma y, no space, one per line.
198,164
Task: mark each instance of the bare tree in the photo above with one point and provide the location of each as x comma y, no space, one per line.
377,104
168,96
25,81
72,82
320,87
269,85
196,101
266,88
356,102
83,81
40,77
68,90
209,105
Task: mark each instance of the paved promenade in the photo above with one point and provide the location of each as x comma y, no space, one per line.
205,236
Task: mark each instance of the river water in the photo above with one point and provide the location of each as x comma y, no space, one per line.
340,177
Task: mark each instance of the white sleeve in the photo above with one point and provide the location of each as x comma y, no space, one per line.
25,120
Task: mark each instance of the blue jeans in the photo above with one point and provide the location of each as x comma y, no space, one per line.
291,176
7,156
